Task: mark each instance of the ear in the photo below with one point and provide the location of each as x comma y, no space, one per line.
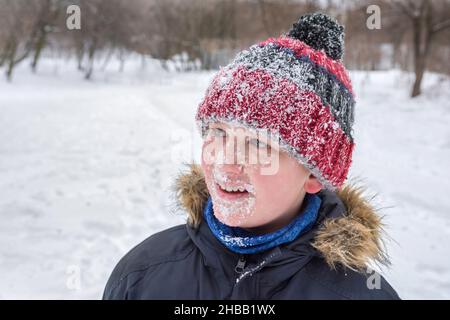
312,184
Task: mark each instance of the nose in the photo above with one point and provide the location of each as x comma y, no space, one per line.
235,151
231,170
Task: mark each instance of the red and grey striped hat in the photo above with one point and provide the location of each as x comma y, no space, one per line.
296,87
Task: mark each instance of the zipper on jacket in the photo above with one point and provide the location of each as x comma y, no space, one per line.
240,264
243,273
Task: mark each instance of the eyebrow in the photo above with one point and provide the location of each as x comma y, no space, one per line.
254,134
218,125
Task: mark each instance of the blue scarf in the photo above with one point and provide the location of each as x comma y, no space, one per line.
241,241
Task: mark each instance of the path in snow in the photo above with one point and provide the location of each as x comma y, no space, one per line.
86,169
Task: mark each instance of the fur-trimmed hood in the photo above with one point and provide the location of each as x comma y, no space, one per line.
352,239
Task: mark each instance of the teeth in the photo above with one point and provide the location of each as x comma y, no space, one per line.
232,189
221,180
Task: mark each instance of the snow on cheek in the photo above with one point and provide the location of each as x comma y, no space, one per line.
234,213
231,212
250,188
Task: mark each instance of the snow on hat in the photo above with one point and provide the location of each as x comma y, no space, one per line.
296,87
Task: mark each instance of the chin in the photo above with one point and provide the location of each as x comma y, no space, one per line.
236,220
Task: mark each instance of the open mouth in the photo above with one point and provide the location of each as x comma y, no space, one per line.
231,188
231,193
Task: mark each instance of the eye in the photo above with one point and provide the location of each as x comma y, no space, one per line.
217,132
257,143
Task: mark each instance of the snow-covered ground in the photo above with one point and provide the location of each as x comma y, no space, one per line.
86,169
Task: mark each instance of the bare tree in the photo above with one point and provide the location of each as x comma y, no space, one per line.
45,23
428,18
17,26
106,26
414,32
24,29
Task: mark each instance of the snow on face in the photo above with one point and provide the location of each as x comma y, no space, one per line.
243,196
231,209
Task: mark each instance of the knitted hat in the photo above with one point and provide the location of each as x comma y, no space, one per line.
296,87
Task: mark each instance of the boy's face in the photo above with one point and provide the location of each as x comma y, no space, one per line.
252,183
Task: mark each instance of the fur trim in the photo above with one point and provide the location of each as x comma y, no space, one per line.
353,240
192,193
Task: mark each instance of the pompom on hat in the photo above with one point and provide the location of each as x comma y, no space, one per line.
296,87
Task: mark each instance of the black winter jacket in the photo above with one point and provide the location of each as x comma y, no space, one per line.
188,262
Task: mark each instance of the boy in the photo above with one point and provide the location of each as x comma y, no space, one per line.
268,215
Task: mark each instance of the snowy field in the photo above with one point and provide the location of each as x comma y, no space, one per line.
86,169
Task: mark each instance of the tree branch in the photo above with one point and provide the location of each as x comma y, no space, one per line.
441,26
404,8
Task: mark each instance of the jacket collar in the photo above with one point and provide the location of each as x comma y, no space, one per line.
348,231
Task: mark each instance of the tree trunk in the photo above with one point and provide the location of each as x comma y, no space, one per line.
10,60
422,33
419,69
121,60
418,65
38,50
80,56
90,67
